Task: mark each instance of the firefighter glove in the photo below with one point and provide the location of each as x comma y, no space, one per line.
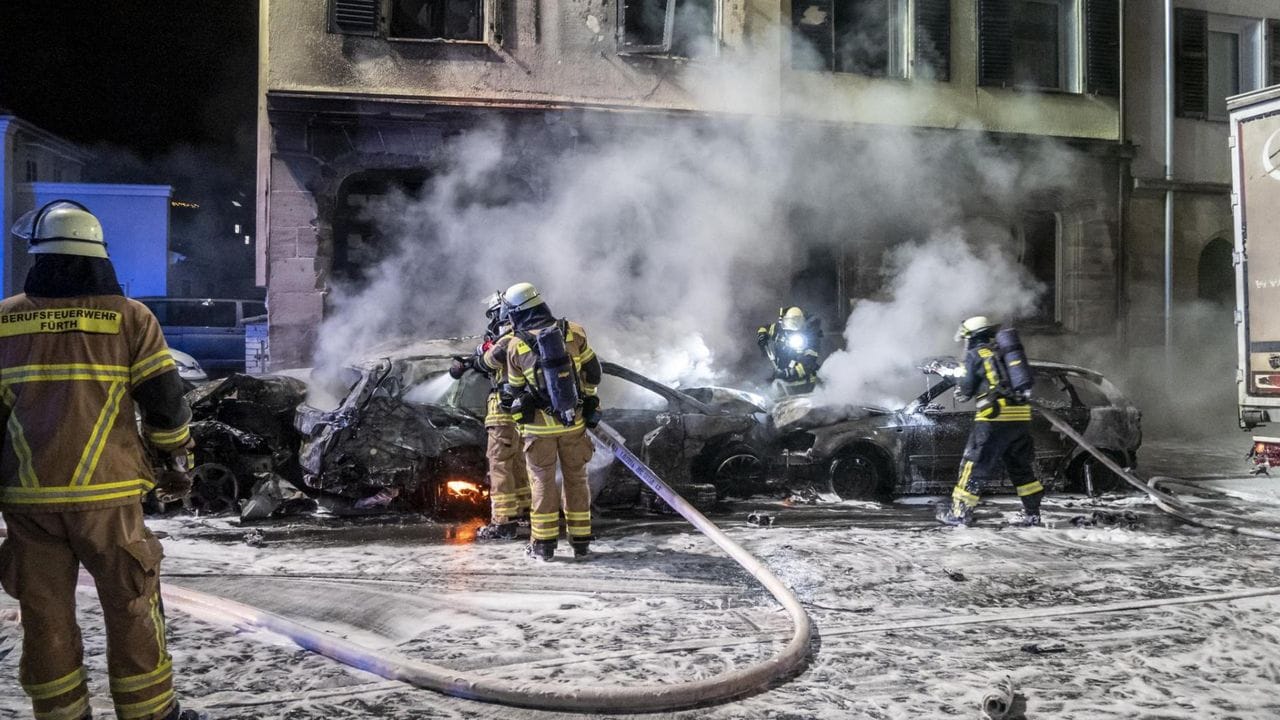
591,411
762,337
523,406
460,365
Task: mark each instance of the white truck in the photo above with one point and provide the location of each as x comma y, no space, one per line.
1255,199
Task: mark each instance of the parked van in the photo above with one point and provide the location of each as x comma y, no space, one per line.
209,329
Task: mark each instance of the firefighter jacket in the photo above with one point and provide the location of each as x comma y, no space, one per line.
981,381
494,361
523,371
790,365
72,371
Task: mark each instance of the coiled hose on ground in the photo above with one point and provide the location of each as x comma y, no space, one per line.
1164,501
597,698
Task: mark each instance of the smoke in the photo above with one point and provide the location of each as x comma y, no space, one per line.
672,239
935,284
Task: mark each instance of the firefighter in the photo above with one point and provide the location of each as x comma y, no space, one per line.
1001,430
509,493
791,345
552,374
76,359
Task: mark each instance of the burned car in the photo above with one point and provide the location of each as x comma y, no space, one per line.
875,453
389,443
705,442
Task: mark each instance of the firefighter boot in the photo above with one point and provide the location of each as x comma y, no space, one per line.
180,714
497,531
956,514
542,550
1030,515
581,546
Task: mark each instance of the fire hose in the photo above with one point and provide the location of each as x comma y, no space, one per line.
600,698
1167,503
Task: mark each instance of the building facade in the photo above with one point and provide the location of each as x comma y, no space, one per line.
27,155
1220,48
358,96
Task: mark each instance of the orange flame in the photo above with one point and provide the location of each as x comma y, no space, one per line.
464,489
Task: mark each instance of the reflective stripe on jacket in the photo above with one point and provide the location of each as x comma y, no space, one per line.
522,371
69,369
981,379
495,360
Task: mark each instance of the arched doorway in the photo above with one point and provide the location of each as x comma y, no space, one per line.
1217,275
357,243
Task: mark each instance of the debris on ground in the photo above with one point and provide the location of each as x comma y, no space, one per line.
1004,702
760,518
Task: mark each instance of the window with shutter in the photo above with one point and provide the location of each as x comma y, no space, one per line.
354,17
460,20
995,42
1102,47
932,60
1191,62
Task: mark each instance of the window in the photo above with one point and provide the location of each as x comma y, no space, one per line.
677,28
1063,45
202,313
1040,258
879,38
1217,56
467,21
33,171
437,20
1043,44
253,310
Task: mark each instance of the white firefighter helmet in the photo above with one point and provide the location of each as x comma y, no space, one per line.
521,296
791,319
973,326
63,227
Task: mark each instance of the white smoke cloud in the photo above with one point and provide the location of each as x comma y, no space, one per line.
672,242
935,284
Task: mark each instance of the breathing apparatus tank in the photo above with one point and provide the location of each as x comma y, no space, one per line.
1018,370
558,373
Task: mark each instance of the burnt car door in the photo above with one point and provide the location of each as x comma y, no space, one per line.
953,421
945,425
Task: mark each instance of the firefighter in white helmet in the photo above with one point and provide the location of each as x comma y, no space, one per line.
79,358
1001,432
791,344
509,492
552,374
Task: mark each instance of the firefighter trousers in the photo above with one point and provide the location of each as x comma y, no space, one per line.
993,443
508,475
571,451
39,563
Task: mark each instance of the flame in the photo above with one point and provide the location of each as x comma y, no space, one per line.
464,489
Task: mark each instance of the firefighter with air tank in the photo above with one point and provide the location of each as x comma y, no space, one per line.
791,345
509,493
552,374
997,375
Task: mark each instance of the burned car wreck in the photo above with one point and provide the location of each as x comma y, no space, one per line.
397,434
706,442
876,453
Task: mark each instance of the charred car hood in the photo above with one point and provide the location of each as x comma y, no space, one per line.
802,413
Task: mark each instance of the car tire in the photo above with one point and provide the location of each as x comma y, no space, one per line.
735,470
1104,480
857,474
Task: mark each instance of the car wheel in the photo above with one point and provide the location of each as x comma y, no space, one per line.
214,490
858,475
736,471
1088,467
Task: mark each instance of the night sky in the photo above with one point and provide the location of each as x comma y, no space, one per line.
158,92
143,75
